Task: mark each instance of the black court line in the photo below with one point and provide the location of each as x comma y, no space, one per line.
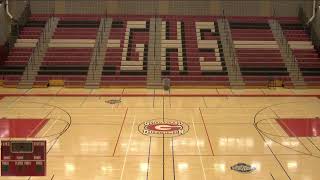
274,112
272,176
58,92
183,155
55,141
52,177
262,121
291,132
13,102
120,98
61,133
274,155
173,163
46,117
84,100
263,138
204,101
149,157
159,95
68,126
163,165
99,107
279,143
313,144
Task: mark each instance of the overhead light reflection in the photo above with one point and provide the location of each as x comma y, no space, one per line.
256,165
69,169
106,169
236,142
143,167
268,143
292,165
221,167
183,166
292,143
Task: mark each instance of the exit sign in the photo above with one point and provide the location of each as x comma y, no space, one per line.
23,158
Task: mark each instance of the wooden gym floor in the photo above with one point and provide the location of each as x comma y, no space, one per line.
90,139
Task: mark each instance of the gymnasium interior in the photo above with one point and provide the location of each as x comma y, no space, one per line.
160,89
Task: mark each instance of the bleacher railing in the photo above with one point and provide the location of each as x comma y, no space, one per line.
312,27
41,43
230,47
294,64
99,46
17,25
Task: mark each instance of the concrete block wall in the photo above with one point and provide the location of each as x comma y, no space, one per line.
316,22
16,7
171,7
161,7
5,26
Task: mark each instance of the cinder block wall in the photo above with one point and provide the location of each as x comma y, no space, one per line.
316,23
5,25
168,7
174,7
16,8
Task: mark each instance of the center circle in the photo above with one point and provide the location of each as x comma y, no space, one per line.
163,128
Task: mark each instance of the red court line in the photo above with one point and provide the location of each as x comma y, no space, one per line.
165,95
206,130
124,119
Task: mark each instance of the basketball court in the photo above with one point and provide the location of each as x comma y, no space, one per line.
156,135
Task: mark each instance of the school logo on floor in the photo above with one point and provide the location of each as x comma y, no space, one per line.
113,101
166,128
243,168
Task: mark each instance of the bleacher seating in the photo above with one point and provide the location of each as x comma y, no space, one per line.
127,52
69,52
305,53
258,53
191,52
13,67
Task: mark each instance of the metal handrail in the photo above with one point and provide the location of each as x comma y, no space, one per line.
230,47
99,46
36,51
293,64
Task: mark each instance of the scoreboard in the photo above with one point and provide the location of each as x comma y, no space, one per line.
23,158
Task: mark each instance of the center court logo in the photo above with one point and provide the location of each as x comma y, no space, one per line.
243,168
163,128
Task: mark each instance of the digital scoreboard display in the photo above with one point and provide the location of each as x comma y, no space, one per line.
23,158
21,147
